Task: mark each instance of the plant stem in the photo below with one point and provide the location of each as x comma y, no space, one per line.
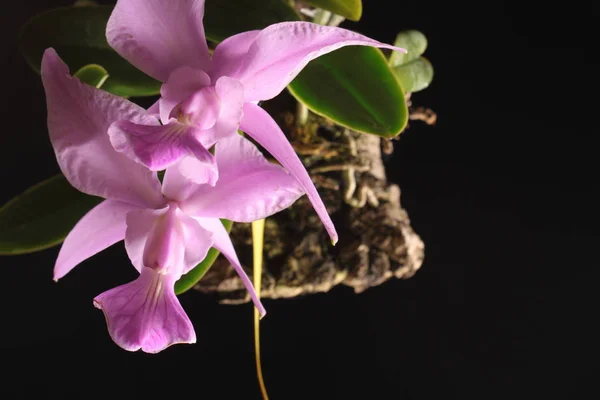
301,114
258,235
322,17
336,20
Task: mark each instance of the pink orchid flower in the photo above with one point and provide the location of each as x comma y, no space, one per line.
168,228
204,100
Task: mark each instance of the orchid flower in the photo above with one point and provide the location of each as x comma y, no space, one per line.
168,228
203,100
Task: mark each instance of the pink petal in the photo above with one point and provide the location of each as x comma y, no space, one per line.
201,109
101,227
278,53
78,120
216,111
139,225
154,109
182,83
164,250
158,147
166,240
159,36
198,240
231,95
177,185
145,314
249,187
198,171
258,124
222,242
228,54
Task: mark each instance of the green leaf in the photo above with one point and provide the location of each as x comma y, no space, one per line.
224,18
92,74
78,36
42,216
414,42
350,9
355,87
414,76
77,33
187,281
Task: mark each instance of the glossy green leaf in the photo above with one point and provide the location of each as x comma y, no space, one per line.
224,18
78,36
414,42
42,216
355,87
92,74
414,76
350,9
187,281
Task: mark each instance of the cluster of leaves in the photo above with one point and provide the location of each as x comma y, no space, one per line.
356,87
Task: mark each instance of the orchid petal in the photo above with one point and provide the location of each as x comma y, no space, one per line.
231,95
226,60
101,227
258,124
158,36
201,109
154,109
78,120
165,240
176,186
278,53
158,147
145,314
222,242
216,111
139,225
182,83
199,171
249,186
198,240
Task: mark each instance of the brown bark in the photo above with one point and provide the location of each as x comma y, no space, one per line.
376,239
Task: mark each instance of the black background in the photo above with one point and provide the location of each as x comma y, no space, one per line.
502,191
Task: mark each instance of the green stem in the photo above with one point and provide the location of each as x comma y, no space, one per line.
301,114
322,17
336,20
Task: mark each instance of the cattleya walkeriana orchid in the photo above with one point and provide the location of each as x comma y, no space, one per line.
204,100
169,227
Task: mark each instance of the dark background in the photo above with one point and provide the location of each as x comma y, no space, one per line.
502,191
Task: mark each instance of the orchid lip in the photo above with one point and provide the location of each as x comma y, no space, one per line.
184,119
145,314
201,109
